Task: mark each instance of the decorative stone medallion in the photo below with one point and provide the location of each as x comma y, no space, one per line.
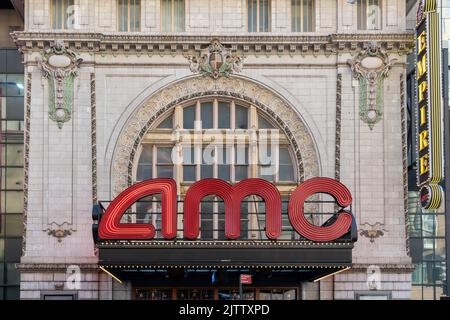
372,231
253,93
215,61
59,65
370,67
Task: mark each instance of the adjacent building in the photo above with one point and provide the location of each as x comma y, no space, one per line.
428,228
11,152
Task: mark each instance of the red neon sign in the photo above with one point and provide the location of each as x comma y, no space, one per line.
111,228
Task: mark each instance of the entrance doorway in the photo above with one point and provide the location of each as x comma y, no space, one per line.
193,293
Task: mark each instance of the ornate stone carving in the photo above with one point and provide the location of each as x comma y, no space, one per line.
93,139
59,65
107,43
370,66
26,165
372,231
215,61
193,87
59,231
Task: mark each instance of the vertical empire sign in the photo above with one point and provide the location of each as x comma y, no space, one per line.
430,171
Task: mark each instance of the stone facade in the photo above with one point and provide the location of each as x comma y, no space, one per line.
304,77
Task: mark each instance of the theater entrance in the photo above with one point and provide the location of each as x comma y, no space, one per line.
196,293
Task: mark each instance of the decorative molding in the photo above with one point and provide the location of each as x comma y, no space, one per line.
55,267
404,125
402,43
370,66
386,267
215,61
372,231
59,231
93,140
26,165
59,65
337,163
193,87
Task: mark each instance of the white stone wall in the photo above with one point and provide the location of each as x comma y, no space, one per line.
60,163
218,17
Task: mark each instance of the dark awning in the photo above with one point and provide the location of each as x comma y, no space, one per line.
224,254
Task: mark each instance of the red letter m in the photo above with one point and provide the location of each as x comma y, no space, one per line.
232,197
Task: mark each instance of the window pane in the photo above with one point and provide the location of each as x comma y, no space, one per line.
241,117
224,161
12,154
264,13
164,171
286,170
13,85
164,162
178,15
206,171
12,201
164,155
166,15
244,217
68,14
12,178
224,115
207,115
12,293
263,123
2,252
144,170
135,18
241,162
166,123
206,227
369,14
267,172
14,108
12,274
224,172
252,22
189,173
189,117
13,249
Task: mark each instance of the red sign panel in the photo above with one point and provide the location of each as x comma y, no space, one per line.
246,279
111,228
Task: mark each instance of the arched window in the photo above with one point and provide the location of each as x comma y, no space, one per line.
218,138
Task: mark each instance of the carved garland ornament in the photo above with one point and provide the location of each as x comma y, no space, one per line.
59,65
190,88
370,67
215,61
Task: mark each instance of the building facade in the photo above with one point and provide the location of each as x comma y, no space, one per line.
113,87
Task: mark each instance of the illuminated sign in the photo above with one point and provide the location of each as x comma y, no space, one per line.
110,227
429,112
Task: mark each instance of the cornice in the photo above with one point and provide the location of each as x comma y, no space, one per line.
54,267
401,43
386,267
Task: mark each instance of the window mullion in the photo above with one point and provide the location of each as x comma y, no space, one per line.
215,114
154,161
252,143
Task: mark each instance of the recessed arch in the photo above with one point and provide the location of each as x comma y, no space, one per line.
239,88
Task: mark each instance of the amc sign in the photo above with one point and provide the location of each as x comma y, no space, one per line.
110,227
